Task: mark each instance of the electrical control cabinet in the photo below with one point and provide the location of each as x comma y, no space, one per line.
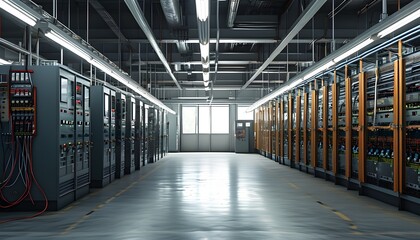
138,135
103,134
244,136
286,132
130,135
82,143
164,135
151,132
49,113
157,134
145,133
364,123
121,122
113,134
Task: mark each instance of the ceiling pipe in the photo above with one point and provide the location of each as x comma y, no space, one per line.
203,22
384,10
233,10
302,20
173,14
138,15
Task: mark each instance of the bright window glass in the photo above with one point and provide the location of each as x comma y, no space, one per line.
220,119
204,119
189,119
243,115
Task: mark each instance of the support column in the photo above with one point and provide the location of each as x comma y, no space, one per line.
399,127
277,153
348,129
297,139
362,123
281,131
305,128
314,127
290,129
325,127
335,91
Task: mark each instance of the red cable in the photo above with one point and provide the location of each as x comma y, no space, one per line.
39,188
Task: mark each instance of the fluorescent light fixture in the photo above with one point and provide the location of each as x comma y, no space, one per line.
193,98
353,50
205,51
318,70
206,89
18,12
206,84
72,47
404,21
292,85
202,8
206,65
2,62
101,66
206,76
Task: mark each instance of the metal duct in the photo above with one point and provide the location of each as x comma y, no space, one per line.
138,15
233,10
172,12
203,22
173,15
182,46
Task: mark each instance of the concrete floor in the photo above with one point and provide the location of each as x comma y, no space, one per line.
219,196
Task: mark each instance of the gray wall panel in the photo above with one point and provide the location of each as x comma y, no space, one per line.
220,143
189,143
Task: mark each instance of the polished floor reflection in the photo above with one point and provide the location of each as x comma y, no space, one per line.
219,196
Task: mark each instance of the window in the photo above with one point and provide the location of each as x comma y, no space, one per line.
189,119
204,119
243,115
220,119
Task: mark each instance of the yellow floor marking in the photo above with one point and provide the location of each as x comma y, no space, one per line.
293,185
82,219
100,205
74,225
109,200
342,216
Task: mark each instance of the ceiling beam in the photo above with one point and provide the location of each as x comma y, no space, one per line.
303,19
224,40
138,15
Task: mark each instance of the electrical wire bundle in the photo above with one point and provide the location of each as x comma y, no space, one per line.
18,181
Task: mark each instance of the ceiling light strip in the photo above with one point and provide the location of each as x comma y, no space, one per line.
350,48
303,19
18,11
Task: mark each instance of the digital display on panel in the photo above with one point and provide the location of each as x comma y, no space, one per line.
87,97
133,111
64,84
106,105
71,93
113,106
